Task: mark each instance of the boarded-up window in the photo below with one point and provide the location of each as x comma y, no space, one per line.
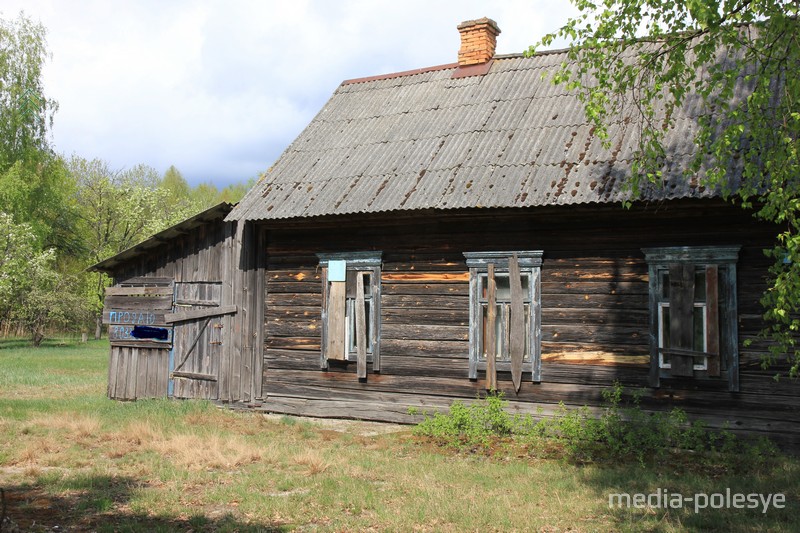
693,313
351,309
502,317
505,323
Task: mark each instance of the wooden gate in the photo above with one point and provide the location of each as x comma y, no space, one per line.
199,323
140,338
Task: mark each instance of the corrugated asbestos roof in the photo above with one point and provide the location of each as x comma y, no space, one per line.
216,213
424,140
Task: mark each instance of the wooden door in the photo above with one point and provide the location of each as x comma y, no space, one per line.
197,347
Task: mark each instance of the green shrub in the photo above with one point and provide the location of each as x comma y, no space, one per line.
617,432
474,425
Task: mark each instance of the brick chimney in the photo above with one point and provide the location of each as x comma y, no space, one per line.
478,40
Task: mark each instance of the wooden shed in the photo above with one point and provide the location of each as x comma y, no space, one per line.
436,233
177,312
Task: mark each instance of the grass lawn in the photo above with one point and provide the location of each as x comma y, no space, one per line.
71,458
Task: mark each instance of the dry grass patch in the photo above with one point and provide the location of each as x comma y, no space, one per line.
38,451
78,425
138,432
313,462
208,451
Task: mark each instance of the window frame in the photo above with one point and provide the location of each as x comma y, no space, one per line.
530,262
359,262
724,259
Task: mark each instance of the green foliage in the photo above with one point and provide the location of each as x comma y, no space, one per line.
474,425
639,61
614,433
32,292
25,112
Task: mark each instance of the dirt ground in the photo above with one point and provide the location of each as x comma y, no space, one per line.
354,427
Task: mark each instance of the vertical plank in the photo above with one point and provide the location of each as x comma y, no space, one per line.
123,376
323,276
147,388
376,319
729,339
161,375
681,317
654,378
232,365
228,297
336,320
142,373
361,328
474,323
712,320
163,379
132,365
536,325
517,320
247,364
259,302
489,341
112,372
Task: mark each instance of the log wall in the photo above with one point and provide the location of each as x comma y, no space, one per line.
594,313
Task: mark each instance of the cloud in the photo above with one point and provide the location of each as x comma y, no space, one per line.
220,89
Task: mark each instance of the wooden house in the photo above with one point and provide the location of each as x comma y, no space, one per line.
438,232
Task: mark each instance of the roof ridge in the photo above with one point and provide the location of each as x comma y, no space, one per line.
446,66
400,74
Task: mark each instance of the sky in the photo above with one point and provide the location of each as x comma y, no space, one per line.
219,89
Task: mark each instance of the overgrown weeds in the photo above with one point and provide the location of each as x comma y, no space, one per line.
618,432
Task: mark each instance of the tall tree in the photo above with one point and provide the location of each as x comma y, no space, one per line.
34,187
116,210
646,58
175,184
26,113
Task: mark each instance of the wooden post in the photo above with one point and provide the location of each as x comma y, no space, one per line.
490,340
517,329
361,328
336,320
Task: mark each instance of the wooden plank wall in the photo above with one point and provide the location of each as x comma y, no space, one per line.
135,373
215,253
193,257
594,313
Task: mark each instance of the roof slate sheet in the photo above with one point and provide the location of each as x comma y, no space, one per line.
510,138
